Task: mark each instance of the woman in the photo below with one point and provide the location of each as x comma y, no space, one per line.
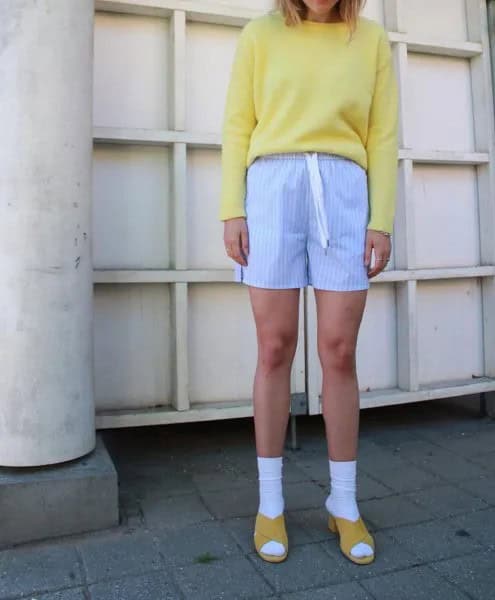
309,174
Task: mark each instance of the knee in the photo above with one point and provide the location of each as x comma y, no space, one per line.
337,353
276,351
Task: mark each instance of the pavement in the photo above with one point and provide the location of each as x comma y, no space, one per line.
188,498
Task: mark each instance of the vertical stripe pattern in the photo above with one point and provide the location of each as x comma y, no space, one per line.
284,221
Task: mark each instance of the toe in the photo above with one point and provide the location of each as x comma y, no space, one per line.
273,548
361,550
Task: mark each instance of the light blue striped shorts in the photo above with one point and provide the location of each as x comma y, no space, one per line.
306,215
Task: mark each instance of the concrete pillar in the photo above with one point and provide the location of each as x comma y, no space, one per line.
46,279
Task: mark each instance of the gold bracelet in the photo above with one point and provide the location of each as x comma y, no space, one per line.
384,232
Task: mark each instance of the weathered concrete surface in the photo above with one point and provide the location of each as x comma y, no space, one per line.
46,299
73,497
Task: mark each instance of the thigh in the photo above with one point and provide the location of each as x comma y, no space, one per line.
339,316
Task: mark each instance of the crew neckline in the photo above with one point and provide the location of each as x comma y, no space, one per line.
322,23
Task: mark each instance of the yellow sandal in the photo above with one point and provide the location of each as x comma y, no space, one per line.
350,534
267,530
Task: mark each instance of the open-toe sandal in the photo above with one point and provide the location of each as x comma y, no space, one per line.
270,530
350,534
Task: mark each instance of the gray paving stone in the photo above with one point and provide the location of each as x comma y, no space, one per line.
168,480
212,480
178,511
446,500
185,545
429,429
292,472
305,494
340,591
391,511
415,448
406,478
313,522
71,594
389,556
27,570
242,529
116,556
393,436
224,579
468,444
151,586
377,458
474,574
305,567
314,466
239,502
487,461
436,540
480,524
447,465
417,583
483,487
369,488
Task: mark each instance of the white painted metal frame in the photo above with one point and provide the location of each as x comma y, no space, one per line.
404,275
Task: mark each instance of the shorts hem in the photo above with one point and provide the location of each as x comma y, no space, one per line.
339,289
271,286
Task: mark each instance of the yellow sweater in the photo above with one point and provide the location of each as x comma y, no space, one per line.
305,88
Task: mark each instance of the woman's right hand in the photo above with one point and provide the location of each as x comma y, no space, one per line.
236,239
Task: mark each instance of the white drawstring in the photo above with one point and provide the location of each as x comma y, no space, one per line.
317,193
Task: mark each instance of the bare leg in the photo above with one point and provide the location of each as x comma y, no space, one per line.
276,313
339,316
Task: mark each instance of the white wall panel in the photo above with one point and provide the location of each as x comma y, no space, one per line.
130,207
262,5
222,343
450,335
376,353
205,232
132,346
439,103
446,226
374,10
435,19
210,50
156,193
130,71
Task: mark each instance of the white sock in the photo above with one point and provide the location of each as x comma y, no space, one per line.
271,496
341,501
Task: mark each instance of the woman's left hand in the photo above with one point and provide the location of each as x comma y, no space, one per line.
382,247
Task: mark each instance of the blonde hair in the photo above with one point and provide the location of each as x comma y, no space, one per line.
294,11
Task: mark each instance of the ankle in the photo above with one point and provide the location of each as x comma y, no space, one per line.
271,502
341,501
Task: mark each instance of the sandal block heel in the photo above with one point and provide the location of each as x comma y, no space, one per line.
351,533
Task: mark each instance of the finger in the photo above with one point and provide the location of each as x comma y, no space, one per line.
373,271
236,252
377,268
245,241
367,253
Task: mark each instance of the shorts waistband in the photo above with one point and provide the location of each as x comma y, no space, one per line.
302,156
